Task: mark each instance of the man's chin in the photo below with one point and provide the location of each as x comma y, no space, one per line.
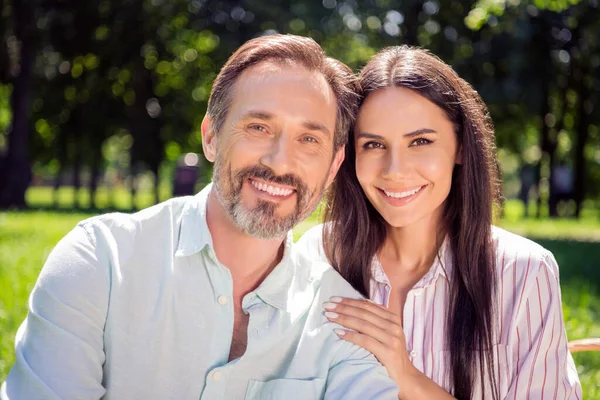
266,231
265,226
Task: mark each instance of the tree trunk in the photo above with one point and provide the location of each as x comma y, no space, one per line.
546,70
62,164
16,174
76,133
544,140
16,171
582,129
94,175
411,22
5,63
154,169
133,176
77,175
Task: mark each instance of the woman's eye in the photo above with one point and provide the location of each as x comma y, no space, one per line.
420,142
373,145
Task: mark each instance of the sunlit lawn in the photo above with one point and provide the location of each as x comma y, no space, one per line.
26,238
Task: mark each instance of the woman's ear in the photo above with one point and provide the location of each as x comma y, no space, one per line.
209,140
338,158
458,157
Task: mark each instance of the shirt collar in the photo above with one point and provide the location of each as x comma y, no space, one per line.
441,267
193,232
288,287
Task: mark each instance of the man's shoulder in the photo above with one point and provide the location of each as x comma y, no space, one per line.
326,281
310,244
333,284
119,224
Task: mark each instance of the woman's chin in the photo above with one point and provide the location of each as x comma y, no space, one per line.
396,221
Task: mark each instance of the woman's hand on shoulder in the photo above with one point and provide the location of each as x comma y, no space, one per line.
378,330
374,328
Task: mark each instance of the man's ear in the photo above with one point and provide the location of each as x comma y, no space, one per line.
209,140
338,158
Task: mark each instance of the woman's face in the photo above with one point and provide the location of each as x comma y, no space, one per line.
406,150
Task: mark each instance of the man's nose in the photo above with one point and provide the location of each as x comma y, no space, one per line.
280,157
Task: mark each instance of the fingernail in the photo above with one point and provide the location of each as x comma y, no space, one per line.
340,332
329,314
330,306
336,299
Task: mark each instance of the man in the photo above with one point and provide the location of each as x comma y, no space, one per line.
205,297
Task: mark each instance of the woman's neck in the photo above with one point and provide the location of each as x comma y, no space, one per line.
408,252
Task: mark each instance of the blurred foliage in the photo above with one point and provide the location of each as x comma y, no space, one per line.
116,88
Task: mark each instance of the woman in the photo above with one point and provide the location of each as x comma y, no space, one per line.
458,307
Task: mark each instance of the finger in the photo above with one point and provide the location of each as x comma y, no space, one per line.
391,335
375,315
375,308
360,313
374,346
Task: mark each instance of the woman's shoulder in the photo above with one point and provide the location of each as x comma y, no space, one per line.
521,256
310,243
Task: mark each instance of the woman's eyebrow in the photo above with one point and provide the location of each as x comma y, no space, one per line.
367,135
419,132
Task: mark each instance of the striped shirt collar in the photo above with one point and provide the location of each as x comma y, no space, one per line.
441,267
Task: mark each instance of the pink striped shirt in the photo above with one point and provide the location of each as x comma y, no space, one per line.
533,361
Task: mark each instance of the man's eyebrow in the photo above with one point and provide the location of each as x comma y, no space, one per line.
264,115
316,126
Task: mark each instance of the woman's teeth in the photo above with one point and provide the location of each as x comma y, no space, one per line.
272,190
401,195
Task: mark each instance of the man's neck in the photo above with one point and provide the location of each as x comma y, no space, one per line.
248,259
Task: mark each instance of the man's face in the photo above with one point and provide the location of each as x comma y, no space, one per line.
274,156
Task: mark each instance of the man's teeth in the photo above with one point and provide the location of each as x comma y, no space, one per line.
400,195
272,190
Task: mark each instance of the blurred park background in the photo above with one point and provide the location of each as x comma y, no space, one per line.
101,104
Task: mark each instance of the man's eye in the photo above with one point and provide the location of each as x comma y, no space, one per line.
420,142
258,128
309,139
373,145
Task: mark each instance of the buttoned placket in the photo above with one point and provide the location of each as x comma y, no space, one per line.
259,315
222,284
415,295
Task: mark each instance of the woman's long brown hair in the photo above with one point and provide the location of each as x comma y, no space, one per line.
356,231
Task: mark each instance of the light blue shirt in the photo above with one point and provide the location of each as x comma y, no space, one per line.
137,306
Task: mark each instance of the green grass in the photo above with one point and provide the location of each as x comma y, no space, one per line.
117,199
25,241
26,238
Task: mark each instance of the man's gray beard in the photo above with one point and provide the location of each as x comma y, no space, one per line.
260,222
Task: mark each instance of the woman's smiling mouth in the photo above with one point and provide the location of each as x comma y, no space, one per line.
399,197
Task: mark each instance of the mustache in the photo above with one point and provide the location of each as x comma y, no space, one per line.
267,174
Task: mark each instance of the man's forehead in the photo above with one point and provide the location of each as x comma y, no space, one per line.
274,72
278,89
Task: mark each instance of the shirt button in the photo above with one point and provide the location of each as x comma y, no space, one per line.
417,292
222,300
413,354
217,375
